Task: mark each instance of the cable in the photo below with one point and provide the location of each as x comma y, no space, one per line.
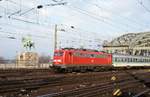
29,32
96,18
33,35
7,37
24,29
118,15
141,3
125,18
44,36
77,36
108,19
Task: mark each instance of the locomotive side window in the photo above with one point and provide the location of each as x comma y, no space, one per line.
76,54
58,54
92,55
89,55
100,56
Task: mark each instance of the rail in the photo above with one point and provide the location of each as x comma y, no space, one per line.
141,93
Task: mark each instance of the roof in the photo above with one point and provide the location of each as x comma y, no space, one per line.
131,40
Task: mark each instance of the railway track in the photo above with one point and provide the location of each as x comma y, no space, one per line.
59,84
97,90
128,87
13,81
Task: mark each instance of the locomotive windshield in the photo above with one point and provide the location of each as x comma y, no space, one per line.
58,54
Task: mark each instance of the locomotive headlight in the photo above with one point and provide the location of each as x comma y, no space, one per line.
57,60
92,61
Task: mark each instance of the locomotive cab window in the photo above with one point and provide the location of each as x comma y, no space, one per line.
70,53
58,54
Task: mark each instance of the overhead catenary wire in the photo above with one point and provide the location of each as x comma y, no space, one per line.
81,30
102,20
142,4
73,40
40,36
131,20
25,30
19,28
105,20
80,39
18,34
134,23
45,37
77,32
7,37
19,12
29,22
141,26
96,18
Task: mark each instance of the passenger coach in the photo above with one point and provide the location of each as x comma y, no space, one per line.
130,61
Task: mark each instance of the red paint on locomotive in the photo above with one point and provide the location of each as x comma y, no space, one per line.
74,57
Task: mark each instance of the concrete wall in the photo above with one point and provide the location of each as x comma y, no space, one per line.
13,66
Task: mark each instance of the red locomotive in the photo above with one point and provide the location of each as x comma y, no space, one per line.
80,60
83,60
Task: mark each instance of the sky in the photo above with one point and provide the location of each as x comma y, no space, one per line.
80,23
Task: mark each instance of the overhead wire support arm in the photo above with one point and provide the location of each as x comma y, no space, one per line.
41,6
141,3
27,11
17,12
34,8
63,3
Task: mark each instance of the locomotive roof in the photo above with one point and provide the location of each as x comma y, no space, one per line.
79,49
76,49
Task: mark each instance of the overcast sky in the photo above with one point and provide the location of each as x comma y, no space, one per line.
93,22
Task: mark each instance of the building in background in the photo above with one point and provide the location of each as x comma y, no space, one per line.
27,59
131,43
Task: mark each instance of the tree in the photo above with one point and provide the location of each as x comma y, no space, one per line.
2,60
44,59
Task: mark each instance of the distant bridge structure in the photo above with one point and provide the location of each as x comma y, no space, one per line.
131,43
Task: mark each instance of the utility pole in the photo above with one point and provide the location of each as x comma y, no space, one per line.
55,37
